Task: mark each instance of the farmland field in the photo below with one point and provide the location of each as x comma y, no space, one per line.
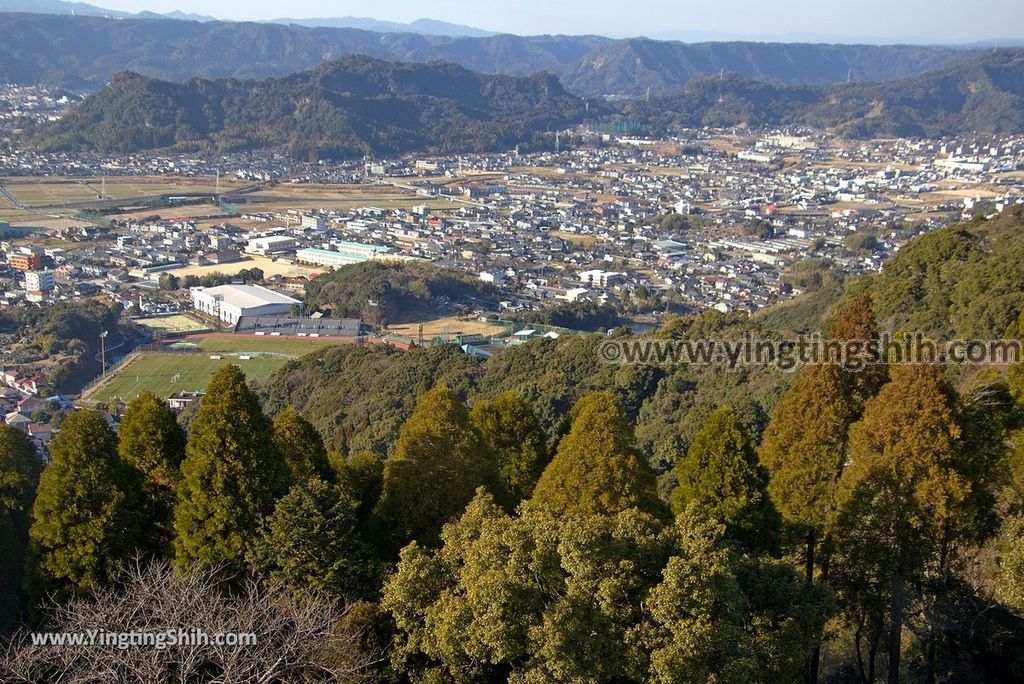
56,191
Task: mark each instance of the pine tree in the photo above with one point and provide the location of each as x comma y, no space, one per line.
231,476
597,468
301,447
722,476
438,463
311,542
511,432
151,441
20,467
86,518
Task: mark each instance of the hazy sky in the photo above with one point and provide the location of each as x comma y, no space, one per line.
919,20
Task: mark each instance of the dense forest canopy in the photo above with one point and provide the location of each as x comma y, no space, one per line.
350,107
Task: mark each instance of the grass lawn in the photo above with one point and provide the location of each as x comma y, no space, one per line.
243,344
164,374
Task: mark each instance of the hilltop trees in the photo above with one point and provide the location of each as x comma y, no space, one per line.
300,445
86,517
231,476
438,463
906,485
310,541
151,440
722,478
594,597
20,466
510,431
597,468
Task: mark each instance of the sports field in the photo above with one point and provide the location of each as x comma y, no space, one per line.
165,373
181,323
258,344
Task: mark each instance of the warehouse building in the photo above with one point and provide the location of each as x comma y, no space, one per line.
231,302
274,244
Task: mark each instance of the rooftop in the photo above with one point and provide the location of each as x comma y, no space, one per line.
245,296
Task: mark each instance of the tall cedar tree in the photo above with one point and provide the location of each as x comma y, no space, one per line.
87,517
300,445
231,477
723,478
151,441
438,463
20,466
804,447
905,487
511,431
597,468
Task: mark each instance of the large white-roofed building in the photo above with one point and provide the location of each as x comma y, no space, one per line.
230,302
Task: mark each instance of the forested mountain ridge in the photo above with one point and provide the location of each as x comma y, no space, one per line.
983,95
350,107
358,105
92,49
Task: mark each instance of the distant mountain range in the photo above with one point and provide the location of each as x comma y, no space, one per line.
984,95
428,27
425,27
358,105
350,107
84,52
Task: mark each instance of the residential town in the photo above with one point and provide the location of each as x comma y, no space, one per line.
732,220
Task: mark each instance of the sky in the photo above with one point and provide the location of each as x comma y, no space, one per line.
940,21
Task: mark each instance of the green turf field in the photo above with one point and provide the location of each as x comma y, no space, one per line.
266,344
164,374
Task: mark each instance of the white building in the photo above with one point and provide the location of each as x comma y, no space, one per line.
343,253
312,221
38,281
230,302
599,278
275,244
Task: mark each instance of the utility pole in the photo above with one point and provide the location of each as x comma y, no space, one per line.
103,355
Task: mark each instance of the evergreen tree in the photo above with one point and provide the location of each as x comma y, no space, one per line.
310,542
723,478
511,432
231,476
361,477
601,598
906,485
438,463
20,467
300,445
805,445
86,518
597,468
151,441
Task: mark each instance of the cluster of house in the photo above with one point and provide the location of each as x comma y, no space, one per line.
31,414
571,225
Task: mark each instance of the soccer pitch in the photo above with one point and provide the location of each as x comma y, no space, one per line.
166,373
